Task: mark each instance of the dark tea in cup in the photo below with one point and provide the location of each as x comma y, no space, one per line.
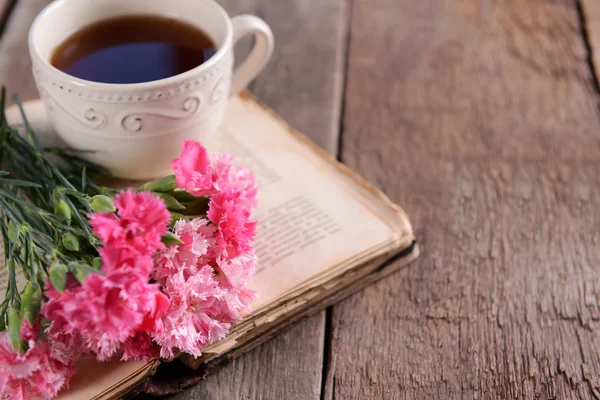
133,49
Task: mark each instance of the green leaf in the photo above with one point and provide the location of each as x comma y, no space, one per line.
70,242
198,207
81,270
14,331
62,209
162,185
102,203
58,276
18,182
175,217
171,203
183,196
171,239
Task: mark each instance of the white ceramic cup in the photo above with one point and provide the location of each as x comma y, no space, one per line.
135,130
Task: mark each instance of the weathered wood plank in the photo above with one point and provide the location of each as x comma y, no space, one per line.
590,10
308,95
481,119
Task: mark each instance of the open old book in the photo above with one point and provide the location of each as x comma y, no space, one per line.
323,234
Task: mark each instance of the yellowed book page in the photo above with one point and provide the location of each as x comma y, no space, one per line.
98,380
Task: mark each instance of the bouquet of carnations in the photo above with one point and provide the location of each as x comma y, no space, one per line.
130,274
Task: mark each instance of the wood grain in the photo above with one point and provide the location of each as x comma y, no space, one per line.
308,96
481,119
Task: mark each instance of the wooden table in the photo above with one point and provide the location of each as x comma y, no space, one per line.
481,118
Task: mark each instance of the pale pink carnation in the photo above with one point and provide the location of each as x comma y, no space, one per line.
142,219
34,374
197,237
237,303
235,230
234,276
236,272
192,169
191,322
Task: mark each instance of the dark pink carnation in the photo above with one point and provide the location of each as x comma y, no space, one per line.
139,347
235,230
196,174
118,259
142,220
157,306
35,374
28,331
102,313
192,169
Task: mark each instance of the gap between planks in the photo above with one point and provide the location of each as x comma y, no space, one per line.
588,12
6,8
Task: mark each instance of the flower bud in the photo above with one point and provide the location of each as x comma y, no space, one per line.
162,185
14,331
102,203
70,242
171,239
62,209
13,233
31,302
58,276
171,203
97,263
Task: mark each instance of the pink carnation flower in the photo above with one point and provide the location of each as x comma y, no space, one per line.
142,219
228,178
235,230
139,347
198,242
35,374
192,322
102,313
29,332
234,276
236,272
192,169
198,176
116,259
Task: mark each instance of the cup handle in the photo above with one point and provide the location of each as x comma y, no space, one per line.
260,54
